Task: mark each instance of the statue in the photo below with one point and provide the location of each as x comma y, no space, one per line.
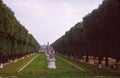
50,57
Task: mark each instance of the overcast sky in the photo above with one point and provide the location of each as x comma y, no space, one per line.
48,20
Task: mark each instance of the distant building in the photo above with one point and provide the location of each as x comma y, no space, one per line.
43,48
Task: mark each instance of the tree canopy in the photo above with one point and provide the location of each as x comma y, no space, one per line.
97,35
15,41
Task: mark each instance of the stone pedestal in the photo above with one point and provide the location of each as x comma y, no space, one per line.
16,60
100,65
1,65
51,63
23,57
81,60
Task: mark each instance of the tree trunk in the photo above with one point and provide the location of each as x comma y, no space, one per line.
106,61
87,58
117,59
81,58
1,62
94,59
100,62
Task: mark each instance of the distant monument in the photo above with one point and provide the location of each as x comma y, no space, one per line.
50,57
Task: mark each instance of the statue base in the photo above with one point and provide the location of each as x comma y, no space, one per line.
99,65
51,63
1,65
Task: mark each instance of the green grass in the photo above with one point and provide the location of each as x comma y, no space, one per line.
13,67
38,69
93,70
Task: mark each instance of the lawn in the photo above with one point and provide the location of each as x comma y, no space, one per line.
38,69
12,67
92,70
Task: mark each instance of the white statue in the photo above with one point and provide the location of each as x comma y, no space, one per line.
50,57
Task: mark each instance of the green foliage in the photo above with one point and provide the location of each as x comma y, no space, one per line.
102,29
97,35
15,41
73,42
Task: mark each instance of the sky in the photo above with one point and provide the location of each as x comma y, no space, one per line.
48,20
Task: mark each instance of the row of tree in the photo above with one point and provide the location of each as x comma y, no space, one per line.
97,35
15,41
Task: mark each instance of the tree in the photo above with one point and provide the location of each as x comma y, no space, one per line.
15,41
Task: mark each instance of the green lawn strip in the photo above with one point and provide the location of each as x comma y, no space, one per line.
36,66
58,76
27,64
12,68
39,67
92,69
65,68
65,76
76,63
71,63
